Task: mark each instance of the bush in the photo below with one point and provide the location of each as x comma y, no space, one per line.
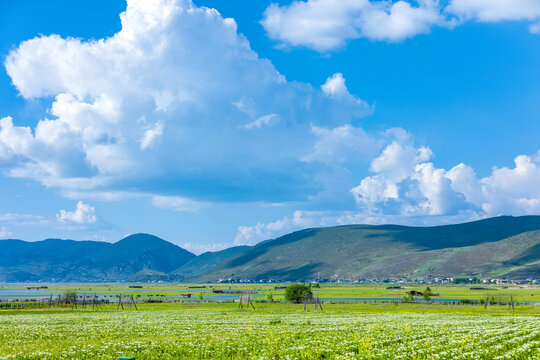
296,293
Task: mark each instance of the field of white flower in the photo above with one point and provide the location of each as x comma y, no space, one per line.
180,334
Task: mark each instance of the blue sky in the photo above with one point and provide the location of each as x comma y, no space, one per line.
209,132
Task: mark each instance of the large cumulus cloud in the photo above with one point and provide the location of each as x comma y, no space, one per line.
175,104
406,183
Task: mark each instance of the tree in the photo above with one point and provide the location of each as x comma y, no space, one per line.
270,297
427,294
408,298
200,296
70,297
296,293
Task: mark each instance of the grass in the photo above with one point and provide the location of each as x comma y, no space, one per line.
278,330
524,293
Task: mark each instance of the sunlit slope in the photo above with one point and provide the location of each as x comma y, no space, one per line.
492,247
207,261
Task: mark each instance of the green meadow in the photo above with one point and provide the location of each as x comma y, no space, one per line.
277,330
339,292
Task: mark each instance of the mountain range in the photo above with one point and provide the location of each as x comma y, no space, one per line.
503,246
54,260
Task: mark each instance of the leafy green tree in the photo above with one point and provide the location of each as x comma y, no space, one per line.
408,298
296,293
270,297
200,296
427,294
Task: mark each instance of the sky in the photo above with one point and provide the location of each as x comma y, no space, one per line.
219,123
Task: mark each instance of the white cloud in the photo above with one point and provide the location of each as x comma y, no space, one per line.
300,219
407,188
177,203
335,86
513,190
84,214
167,97
535,28
113,195
4,233
397,159
495,10
202,248
396,163
250,235
265,120
14,140
341,144
327,24
23,219
151,135
406,184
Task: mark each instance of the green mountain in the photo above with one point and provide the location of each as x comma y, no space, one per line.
502,246
74,261
206,261
498,247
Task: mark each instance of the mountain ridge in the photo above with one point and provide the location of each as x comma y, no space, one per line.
354,251
71,261
502,246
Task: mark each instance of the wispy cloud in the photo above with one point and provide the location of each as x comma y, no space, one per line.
24,219
4,233
177,203
202,248
262,121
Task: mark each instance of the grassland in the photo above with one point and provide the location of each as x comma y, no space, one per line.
277,330
339,292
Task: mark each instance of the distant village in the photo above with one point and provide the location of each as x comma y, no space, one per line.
375,280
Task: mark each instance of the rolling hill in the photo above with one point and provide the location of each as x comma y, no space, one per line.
73,261
501,246
206,261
